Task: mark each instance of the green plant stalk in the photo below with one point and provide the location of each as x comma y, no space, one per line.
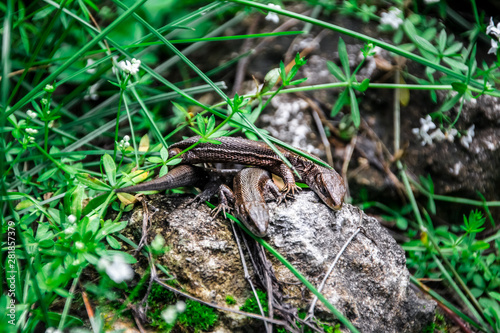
436,247
74,58
438,297
464,299
117,127
453,199
366,39
132,133
68,300
295,272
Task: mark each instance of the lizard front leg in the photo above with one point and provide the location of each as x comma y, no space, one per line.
287,175
225,195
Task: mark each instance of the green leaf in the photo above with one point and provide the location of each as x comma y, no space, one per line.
211,123
176,161
155,159
76,205
344,57
341,101
164,153
479,246
454,64
109,169
163,171
363,86
425,45
47,174
92,182
200,121
494,295
459,87
356,118
442,41
113,242
296,82
282,72
94,204
453,49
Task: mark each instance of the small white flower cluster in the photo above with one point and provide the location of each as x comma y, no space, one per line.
116,268
53,330
172,311
272,16
130,67
393,18
449,134
92,92
31,114
89,63
491,29
49,88
124,144
31,132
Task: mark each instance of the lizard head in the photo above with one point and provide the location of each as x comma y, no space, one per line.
329,186
255,217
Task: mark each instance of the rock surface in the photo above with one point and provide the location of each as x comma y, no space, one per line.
369,285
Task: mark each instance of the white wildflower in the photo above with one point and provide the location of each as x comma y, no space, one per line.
180,306
272,16
126,138
70,230
449,134
492,29
169,314
31,114
466,139
116,268
71,218
92,92
426,139
130,67
494,47
428,2
427,124
52,330
31,131
49,88
89,63
437,135
392,18
44,101
79,245
31,139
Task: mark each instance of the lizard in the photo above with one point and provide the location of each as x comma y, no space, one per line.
326,183
250,187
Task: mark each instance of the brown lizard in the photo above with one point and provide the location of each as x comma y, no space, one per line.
327,183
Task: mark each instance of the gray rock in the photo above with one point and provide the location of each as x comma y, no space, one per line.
369,285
